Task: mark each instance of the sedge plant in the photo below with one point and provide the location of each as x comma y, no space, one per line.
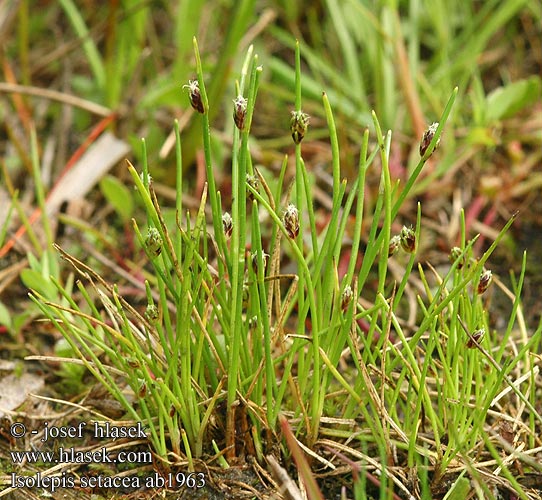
229,340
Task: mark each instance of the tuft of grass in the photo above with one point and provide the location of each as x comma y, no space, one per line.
228,339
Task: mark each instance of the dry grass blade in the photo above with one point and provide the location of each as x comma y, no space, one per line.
54,95
305,472
287,484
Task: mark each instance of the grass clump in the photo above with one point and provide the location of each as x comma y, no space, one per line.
251,326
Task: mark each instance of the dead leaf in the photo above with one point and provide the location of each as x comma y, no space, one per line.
14,390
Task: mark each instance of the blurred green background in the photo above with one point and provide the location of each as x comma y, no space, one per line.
400,58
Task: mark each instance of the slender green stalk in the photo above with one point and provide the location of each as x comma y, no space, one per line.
178,189
356,234
237,242
40,194
206,132
270,380
303,361
90,48
224,328
416,172
385,190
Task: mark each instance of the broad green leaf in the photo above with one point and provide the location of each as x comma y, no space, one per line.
6,222
483,136
118,195
34,262
459,490
35,281
64,349
504,102
52,263
5,317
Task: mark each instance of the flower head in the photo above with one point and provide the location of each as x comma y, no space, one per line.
408,239
227,224
254,183
291,221
152,313
239,111
346,297
428,137
153,242
456,253
299,123
485,280
475,338
254,258
195,96
393,247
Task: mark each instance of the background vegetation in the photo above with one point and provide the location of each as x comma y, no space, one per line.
74,69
